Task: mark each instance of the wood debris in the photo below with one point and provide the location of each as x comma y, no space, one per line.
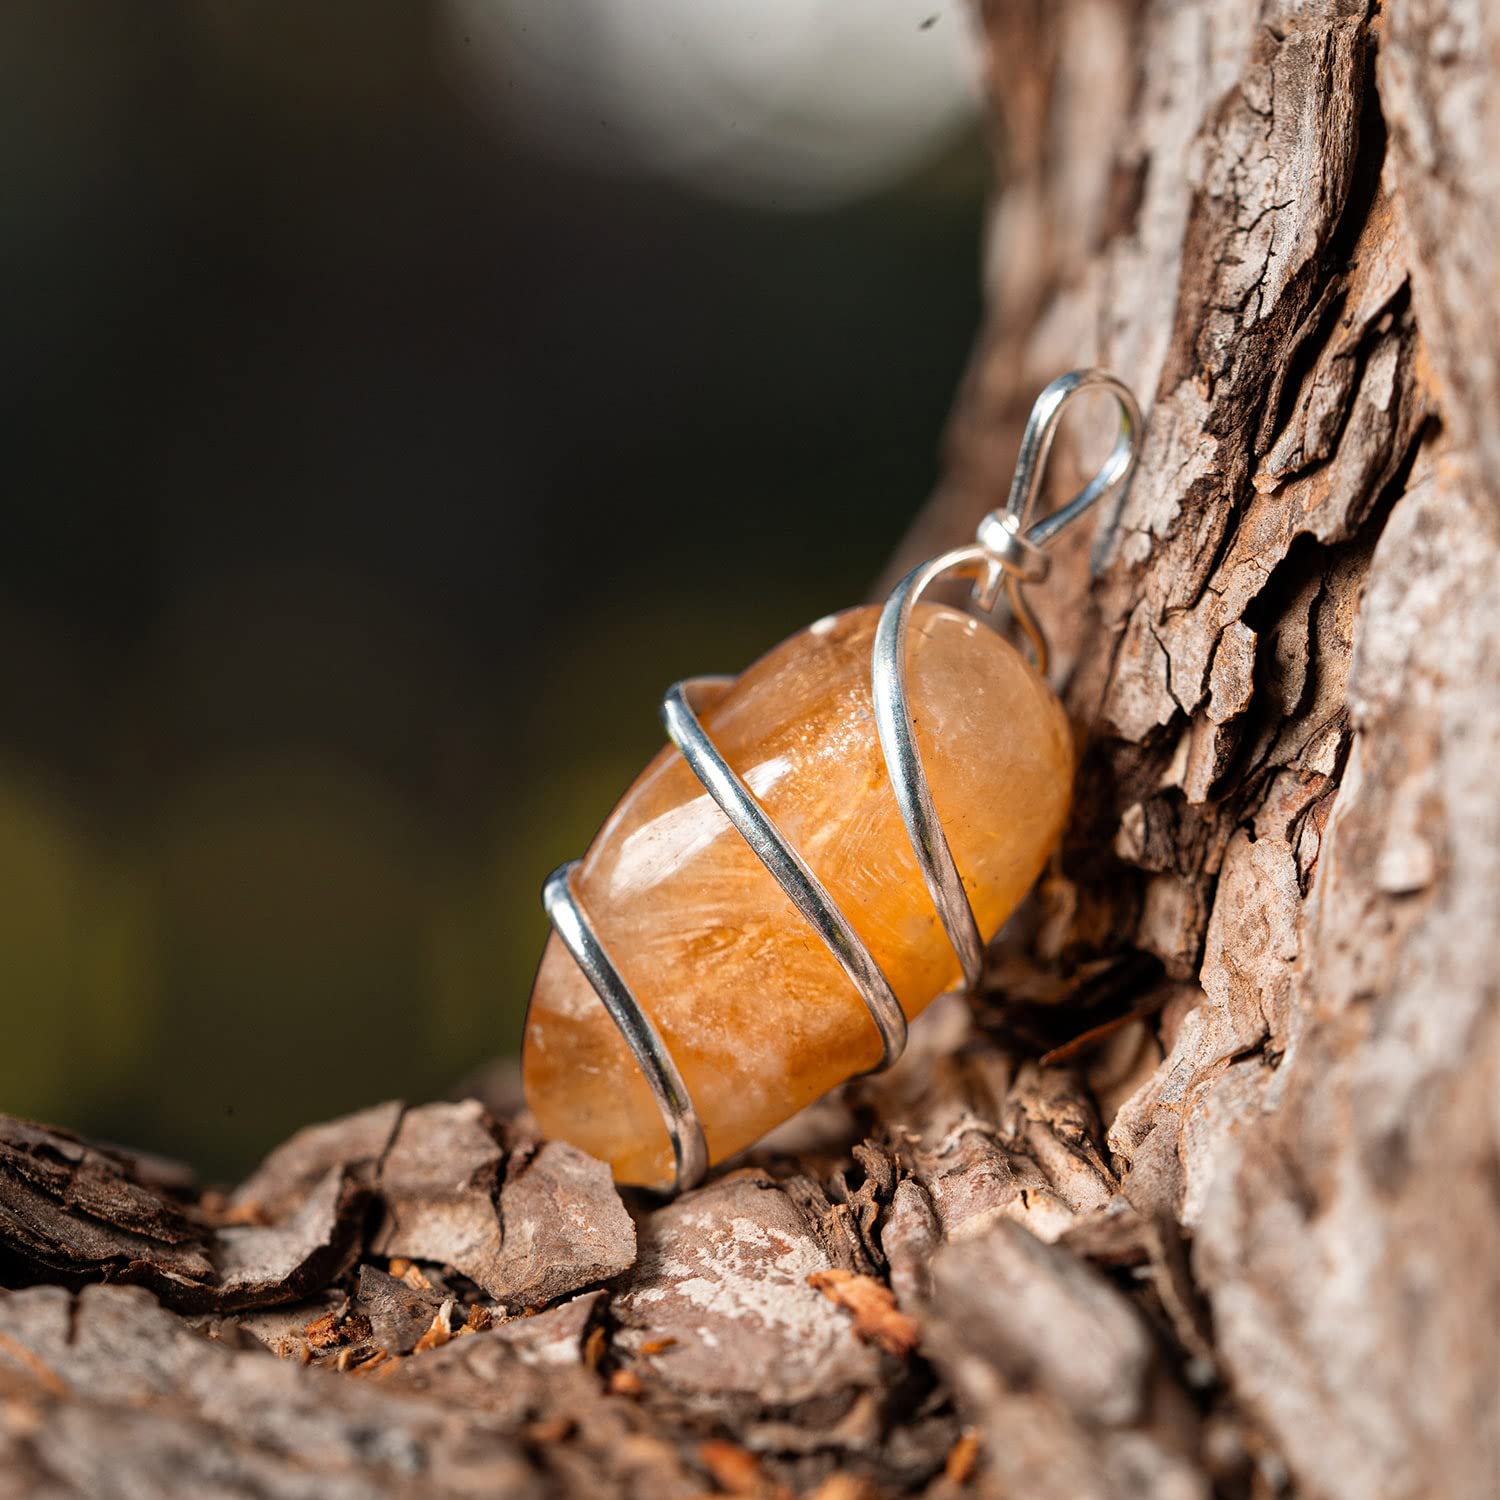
873,1304
963,1457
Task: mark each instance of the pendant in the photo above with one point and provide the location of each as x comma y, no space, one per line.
825,847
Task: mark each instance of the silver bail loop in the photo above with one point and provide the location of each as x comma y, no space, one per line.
1014,542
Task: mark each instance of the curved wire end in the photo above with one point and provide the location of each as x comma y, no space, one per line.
1036,448
572,925
1016,539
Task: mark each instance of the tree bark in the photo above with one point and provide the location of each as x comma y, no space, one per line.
1202,1196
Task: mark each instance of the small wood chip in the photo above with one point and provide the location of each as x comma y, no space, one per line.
655,1346
219,1211
382,1369
876,1318
593,1348
36,1367
334,1330
549,1430
845,1487
963,1456
625,1383
735,1470
322,1333
439,1332
407,1271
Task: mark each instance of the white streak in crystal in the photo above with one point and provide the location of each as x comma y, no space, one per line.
650,854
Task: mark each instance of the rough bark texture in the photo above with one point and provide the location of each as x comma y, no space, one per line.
1203,1195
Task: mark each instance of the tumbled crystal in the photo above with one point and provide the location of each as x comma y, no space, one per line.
753,1007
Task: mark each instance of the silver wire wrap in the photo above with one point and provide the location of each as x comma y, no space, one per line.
689,1149
753,824
1009,549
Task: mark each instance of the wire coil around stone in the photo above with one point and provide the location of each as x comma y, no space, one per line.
1009,549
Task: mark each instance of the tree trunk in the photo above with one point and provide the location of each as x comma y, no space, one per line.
1201,1196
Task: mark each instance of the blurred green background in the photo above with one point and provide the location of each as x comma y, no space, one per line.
396,399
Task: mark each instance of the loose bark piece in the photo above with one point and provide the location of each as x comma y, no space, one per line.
72,1211
1009,1316
282,1183
558,1336
563,1227
724,1273
398,1313
873,1305
279,1263
439,1181
985,1136
555,1226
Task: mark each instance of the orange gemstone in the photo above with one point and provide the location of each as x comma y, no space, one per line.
753,1007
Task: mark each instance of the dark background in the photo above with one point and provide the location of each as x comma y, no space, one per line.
370,471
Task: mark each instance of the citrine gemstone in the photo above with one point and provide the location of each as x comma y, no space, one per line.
753,1007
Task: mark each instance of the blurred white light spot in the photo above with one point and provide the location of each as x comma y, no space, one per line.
785,103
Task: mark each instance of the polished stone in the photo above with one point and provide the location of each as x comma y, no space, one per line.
753,1007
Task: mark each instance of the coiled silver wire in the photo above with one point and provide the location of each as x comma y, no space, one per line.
1009,550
